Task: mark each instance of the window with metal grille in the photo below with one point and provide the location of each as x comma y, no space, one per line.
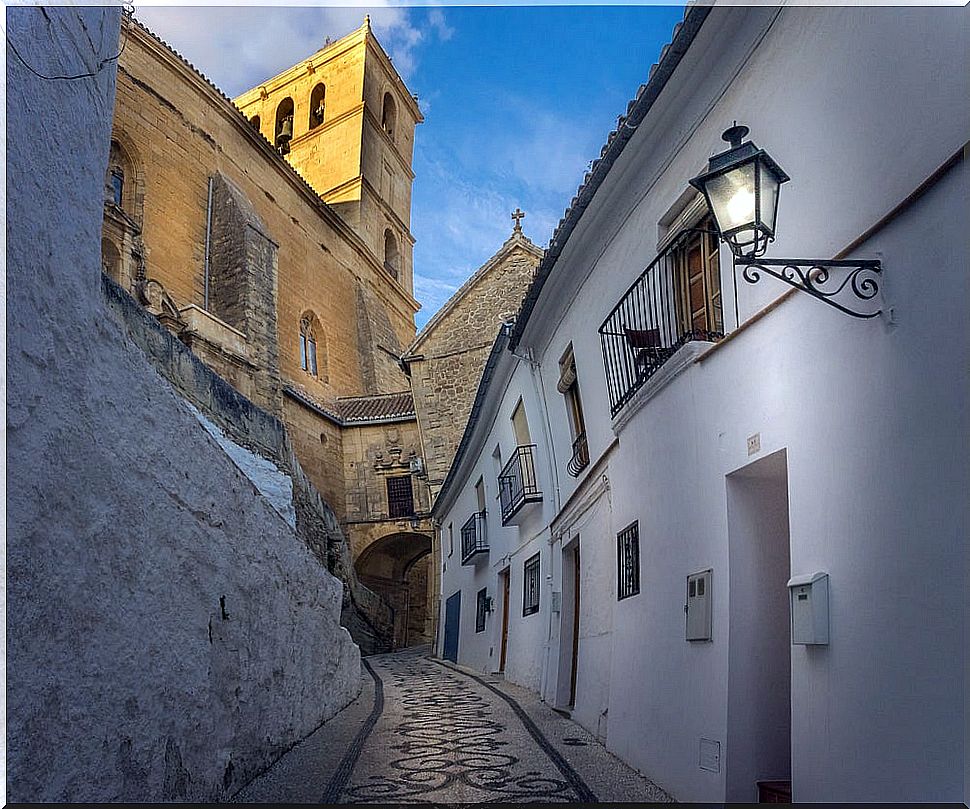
481,607
530,586
628,562
400,500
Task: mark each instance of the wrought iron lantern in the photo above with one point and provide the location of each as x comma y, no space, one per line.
741,186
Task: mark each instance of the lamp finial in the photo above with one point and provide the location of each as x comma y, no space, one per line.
735,135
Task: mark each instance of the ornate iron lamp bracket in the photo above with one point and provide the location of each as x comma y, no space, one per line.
815,277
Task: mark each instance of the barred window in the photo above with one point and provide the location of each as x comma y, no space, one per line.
628,562
530,586
400,500
481,607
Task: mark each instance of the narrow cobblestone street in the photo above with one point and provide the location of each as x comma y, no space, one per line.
422,731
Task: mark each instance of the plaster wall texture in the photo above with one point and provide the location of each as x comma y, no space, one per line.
870,414
170,633
270,482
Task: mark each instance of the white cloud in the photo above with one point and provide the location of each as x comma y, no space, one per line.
238,47
436,19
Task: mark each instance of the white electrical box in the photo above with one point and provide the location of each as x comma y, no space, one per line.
809,608
556,601
698,606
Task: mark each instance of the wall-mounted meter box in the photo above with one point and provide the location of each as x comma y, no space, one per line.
698,606
556,601
810,608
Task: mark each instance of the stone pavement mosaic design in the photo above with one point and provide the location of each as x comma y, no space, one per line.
444,736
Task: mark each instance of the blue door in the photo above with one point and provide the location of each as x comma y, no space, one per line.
452,617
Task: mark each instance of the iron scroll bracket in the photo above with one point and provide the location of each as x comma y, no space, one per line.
815,277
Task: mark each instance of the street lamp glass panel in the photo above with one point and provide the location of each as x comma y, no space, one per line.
732,198
769,198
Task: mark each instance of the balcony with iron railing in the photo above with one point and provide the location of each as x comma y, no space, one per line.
580,458
474,539
517,483
675,300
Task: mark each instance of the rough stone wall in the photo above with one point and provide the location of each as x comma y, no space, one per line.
371,454
319,445
242,283
449,355
379,346
169,633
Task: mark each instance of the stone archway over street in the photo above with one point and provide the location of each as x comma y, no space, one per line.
397,567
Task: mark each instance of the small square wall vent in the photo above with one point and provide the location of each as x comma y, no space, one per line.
710,757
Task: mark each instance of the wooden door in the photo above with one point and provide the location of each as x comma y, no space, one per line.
505,619
575,661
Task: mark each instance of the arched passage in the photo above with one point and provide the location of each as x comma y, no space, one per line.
397,567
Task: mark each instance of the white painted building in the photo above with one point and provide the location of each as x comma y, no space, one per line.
803,441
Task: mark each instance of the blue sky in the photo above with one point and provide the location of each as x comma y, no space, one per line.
517,102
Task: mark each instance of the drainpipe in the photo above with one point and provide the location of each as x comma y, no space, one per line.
208,235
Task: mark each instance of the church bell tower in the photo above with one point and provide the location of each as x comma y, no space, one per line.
344,119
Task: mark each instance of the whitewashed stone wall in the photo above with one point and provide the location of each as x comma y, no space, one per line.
168,633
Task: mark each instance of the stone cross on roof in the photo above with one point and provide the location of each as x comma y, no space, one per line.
518,216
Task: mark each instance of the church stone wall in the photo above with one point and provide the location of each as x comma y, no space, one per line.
447,361
182,132
154,595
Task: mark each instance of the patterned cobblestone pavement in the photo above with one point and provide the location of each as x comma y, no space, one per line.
426,732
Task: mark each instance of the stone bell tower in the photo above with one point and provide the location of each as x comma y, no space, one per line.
345,120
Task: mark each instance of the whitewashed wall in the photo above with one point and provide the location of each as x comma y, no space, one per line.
858,133
860,106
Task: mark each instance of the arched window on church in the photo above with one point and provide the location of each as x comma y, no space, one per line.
389,115
120,176
283,131
317,105
392,257
255,122
308,346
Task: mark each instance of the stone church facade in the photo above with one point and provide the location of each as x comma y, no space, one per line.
271,235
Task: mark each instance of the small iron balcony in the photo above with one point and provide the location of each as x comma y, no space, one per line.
517,484
580,459
473,537
675,300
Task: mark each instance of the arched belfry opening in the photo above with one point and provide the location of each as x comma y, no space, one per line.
283,131
392,254
398,568
318,99
389,115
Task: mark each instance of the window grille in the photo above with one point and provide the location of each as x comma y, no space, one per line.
530,586
400,500
628,562
481,607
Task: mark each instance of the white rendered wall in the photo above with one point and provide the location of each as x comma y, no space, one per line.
872,415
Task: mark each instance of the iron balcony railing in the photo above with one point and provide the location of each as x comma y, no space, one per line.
674,301
580,459
517,483
474,540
